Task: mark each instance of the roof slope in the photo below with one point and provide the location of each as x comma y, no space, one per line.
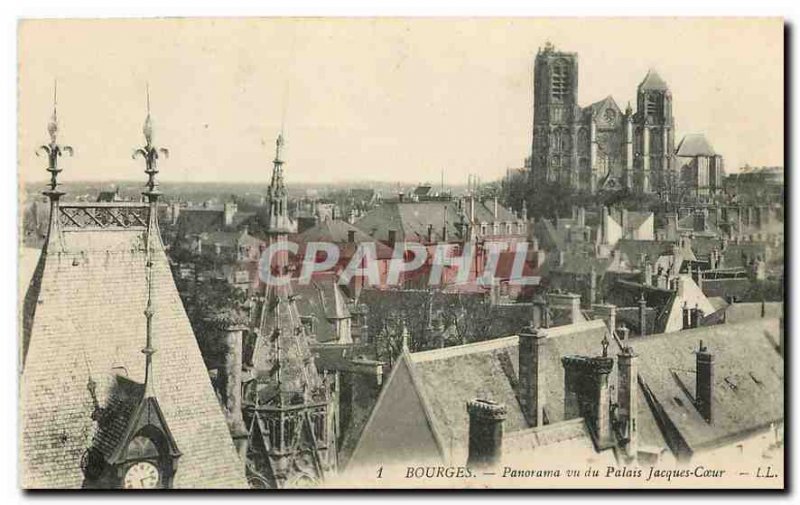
695,144
452,376
89,295
748,386
653,81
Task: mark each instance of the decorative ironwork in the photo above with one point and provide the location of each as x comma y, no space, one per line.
96,215
150,153
53,150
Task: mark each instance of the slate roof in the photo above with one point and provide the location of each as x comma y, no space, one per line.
336,231
322,299
84,322
410,220
695,144
653,81
450,377
748,386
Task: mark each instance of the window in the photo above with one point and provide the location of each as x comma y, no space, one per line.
308,324
653,105
560,80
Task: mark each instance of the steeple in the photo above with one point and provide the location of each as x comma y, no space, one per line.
278,223
53,150
150,153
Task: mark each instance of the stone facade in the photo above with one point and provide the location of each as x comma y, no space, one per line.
599,146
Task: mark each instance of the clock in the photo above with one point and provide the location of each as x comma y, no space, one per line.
610,115
142,475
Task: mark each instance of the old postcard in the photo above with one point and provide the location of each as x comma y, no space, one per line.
273,253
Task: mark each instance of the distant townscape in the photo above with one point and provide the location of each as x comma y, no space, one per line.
153,353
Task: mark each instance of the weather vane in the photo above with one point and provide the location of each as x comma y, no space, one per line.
150,152
53,149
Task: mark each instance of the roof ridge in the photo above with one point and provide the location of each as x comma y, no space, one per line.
501,342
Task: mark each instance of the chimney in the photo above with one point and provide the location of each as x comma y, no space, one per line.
229,210
231,387
401,196
485,433
494,212
604,225
607,313
642,316
592,286
430,233
704,387
351,236
531,375
569,301
647,274
586,393
626,398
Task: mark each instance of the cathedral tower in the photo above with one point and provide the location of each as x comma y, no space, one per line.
555,114
654,138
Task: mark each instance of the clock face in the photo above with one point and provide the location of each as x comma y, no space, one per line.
142,475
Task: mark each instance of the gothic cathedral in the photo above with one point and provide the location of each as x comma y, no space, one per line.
599,146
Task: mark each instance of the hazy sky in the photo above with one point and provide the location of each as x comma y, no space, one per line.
373,99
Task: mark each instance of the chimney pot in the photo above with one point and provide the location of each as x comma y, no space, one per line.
704,386
486,420
531,374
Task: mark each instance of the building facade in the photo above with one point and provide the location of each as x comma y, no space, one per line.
599,146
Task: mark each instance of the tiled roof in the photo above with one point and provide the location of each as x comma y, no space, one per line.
89,295
695,144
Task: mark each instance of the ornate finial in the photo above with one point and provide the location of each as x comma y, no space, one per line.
604,343
150,153
53,150
147,128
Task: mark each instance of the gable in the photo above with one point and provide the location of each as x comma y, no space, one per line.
398,429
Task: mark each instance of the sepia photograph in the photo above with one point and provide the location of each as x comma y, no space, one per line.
270,253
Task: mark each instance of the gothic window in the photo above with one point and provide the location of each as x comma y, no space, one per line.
653,105
560,81
318,422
